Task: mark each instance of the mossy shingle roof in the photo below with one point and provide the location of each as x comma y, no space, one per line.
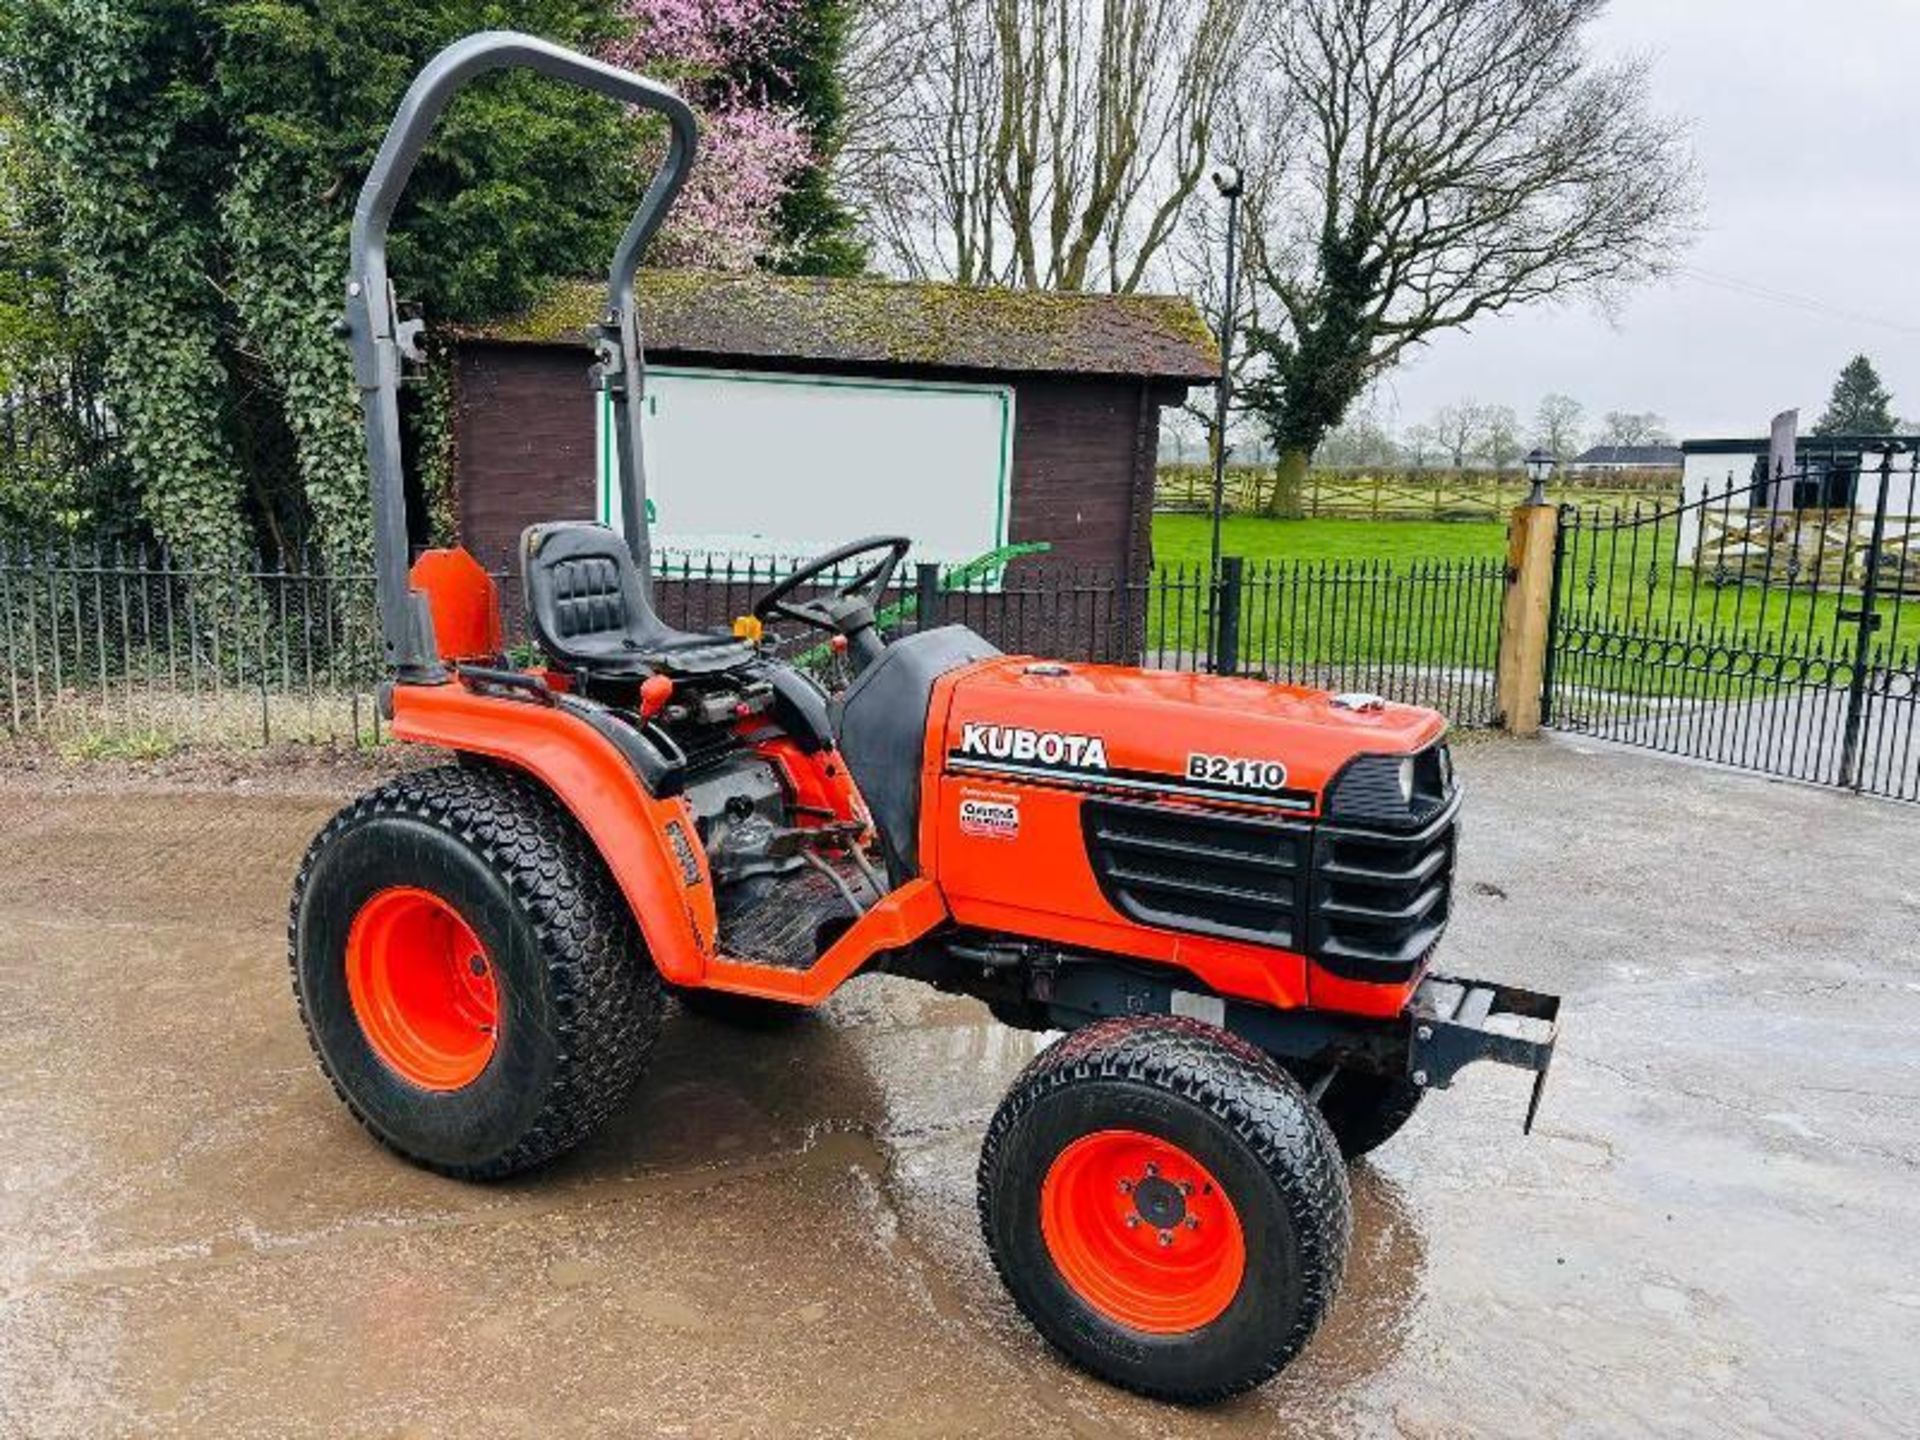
888,322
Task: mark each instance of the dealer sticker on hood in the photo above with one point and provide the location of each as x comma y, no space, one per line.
990,816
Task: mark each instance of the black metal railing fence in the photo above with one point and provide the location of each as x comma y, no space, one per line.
114,645
1770,626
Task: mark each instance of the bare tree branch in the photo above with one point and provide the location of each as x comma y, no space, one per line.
1042,143
1556,426
1454,159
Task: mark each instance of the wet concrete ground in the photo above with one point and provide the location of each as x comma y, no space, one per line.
1708,1234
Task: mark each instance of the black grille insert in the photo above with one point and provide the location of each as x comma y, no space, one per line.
1200,870
1366,904
1380,901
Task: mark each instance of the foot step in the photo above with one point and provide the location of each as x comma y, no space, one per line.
778,921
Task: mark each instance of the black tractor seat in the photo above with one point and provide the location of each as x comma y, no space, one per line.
588,612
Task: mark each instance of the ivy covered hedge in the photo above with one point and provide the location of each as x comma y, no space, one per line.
177,179
203,158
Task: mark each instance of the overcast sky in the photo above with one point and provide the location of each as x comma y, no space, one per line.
1806,126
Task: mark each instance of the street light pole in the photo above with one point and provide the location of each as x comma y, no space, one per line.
1227,181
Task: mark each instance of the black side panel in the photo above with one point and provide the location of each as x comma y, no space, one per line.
882,726
800,707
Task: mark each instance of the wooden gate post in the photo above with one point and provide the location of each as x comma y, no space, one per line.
1524,624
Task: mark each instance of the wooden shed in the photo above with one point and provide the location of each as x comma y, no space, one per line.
1080,380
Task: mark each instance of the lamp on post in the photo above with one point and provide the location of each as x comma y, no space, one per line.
1229,182
1539,468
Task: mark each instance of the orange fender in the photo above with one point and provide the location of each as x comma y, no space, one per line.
629,827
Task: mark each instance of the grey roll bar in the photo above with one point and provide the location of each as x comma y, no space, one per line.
379,340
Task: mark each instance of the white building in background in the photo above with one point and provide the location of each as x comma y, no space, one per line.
1827,474
1826,507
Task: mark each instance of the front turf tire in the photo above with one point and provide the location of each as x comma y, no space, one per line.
1213,1114
1365,1111
576,1001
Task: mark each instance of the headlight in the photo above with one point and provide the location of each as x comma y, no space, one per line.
1392,790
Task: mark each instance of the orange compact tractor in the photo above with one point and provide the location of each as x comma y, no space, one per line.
1227,893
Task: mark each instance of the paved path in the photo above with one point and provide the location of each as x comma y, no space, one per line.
1706,1235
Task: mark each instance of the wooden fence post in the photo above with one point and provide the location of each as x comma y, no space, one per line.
1524,626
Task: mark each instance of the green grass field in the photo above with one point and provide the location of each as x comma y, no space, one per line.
1421,611
1184,539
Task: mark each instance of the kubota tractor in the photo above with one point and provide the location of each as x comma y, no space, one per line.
1228,893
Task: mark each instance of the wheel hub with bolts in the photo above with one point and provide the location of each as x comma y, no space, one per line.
1161,1204
422,989
1142,1232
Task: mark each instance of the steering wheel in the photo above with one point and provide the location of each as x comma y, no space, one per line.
848,608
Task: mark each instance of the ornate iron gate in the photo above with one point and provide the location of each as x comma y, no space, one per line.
1771,624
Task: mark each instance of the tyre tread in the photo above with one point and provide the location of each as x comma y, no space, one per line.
1370,1112
607,997
1256,1100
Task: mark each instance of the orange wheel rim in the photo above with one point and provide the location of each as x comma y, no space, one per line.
422,988
1142,1232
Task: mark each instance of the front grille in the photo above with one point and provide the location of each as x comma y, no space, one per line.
1379,901
1366,904
1199,870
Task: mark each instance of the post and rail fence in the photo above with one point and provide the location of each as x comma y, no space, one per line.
1392,493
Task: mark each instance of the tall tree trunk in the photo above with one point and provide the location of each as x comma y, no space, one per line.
287,295
1288,500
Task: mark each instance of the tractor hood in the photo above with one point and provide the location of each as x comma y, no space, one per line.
1202,736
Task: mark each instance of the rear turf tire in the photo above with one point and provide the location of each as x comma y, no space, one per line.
578,1002
1216,1114
1363,1110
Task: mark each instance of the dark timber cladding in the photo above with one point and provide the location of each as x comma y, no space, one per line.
1089,374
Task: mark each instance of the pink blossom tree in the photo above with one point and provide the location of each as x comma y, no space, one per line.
751,149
